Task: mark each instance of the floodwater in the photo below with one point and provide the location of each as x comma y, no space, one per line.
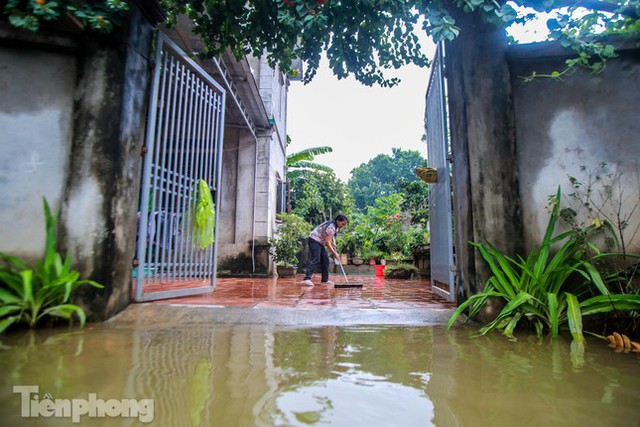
265,375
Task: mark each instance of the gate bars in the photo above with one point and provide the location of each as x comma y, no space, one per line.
185,128
440,212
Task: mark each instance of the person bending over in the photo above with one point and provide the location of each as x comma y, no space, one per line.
321,239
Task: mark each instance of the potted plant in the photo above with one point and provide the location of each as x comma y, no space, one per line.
400,271
287,243
373,255
357,259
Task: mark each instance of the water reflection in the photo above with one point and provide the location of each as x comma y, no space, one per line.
228,375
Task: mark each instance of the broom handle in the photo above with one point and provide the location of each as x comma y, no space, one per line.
344,275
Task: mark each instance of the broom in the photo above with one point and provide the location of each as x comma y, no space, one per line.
347,284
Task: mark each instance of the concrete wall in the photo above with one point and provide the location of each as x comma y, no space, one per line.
237,205
249,181
36,111
271,158
568,128
72,128
485,176
514,143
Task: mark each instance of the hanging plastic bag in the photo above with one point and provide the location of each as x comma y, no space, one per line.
204,217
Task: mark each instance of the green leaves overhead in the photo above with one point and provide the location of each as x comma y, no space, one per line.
363,38
97,15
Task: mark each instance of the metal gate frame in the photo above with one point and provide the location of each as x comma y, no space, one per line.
440,211
185,129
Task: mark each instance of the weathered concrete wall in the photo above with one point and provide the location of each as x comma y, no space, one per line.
569,127
36,109
228,184
249,182
99,210
485,180
80,125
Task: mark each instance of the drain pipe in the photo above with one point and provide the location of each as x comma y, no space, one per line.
253,222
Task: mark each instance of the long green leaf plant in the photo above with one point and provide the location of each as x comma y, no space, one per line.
536,289
29,294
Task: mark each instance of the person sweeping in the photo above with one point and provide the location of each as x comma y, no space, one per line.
321,239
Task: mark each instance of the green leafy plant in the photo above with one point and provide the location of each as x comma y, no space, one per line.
537,290
377,255
347,244
287,243
30,294
301,161
400,271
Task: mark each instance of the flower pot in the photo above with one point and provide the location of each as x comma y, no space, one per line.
357,261
285,271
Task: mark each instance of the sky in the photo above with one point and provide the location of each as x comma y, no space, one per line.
360,122
357,121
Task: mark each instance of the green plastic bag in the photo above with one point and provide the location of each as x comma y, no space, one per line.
205,216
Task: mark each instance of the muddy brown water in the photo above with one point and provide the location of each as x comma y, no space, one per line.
265,375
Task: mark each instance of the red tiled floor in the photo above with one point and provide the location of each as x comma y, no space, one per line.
377,292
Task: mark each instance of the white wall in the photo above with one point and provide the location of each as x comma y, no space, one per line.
273,87
569,128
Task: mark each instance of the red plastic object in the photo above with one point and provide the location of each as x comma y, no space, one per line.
380,270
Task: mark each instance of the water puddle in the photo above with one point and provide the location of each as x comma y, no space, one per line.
261,375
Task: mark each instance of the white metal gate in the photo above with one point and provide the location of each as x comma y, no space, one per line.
440,215
183,145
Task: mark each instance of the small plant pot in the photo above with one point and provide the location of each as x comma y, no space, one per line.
357,261
285,271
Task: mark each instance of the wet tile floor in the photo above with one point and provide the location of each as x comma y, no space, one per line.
376,293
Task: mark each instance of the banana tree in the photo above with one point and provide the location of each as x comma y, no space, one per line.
300,161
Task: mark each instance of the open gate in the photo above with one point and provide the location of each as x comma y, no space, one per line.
183,145
440,212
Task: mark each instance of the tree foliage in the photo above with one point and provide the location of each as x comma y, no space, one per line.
383,175
363,38
99,15
319,196
384,230
416,200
